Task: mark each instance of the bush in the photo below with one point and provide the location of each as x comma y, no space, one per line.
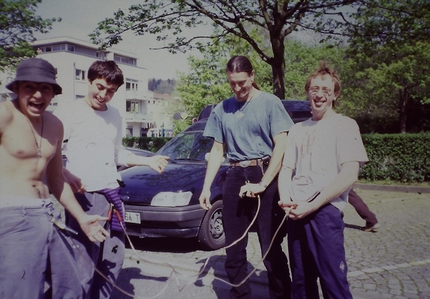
397,157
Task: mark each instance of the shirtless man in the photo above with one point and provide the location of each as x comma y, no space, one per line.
30,154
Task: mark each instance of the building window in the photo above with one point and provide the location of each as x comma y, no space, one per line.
80,75
131,84
57,48
132,106
129,132
124,60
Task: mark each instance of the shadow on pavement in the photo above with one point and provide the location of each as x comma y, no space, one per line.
175,245
353,226
124,282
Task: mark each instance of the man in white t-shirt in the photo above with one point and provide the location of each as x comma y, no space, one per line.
93,148
322,159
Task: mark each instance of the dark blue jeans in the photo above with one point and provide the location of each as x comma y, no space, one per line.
237,216
316,248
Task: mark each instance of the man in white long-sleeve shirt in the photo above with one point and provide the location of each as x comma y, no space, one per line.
93,148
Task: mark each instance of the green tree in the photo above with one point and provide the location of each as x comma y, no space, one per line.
18,23
277,18
302,58
207,81
389,65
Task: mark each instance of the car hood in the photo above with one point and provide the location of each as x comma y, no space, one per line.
142,183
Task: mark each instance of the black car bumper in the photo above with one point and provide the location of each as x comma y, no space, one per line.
155,222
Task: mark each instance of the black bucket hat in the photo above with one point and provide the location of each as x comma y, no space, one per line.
36,70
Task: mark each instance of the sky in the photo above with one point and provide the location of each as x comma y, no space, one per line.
80,18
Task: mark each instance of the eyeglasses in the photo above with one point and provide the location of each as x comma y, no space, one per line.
315,90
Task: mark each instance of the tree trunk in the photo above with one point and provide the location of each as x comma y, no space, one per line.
403,99
278,68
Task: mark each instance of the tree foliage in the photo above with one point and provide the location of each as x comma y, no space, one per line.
277,18
389,65
207,81
18,23
302,59
162,86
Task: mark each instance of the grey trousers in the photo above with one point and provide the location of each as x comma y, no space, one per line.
33,251
107,256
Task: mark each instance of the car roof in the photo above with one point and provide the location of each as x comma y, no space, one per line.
299,110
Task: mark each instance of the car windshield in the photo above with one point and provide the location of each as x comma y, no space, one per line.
187,146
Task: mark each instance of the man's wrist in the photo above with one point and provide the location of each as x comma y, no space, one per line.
264,185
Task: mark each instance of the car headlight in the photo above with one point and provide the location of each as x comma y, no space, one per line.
171,199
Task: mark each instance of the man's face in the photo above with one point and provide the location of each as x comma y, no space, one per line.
99,93
321,95
241,84
33,97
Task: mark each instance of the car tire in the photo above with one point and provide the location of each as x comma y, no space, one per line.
211,235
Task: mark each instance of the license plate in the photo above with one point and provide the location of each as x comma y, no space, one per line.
132,217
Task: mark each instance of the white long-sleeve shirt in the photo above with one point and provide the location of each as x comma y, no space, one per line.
92,144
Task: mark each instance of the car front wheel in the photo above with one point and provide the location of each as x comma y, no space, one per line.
211,235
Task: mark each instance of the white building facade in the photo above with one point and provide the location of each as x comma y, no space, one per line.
144,113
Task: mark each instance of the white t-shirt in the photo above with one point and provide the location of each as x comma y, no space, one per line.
315,150
92,144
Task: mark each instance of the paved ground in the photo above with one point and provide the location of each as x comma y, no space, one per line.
392,263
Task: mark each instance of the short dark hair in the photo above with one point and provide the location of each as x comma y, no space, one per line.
107,70
239,64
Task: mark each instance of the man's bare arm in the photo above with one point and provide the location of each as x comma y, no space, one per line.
345,179
271,171
215,159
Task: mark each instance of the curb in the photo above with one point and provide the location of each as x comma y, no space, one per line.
393,188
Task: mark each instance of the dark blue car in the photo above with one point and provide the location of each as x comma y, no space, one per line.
167,204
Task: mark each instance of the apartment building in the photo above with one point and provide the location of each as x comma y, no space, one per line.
144,112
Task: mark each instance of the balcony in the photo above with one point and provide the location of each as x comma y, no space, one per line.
135,95
137,117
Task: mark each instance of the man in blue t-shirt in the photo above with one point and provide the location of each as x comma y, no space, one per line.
253,127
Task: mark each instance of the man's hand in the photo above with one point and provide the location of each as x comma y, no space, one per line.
302,210
158,162
204,199
91,227
251,190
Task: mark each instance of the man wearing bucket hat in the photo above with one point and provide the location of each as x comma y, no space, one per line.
30,168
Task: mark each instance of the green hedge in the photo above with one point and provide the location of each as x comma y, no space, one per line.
395,157
152,144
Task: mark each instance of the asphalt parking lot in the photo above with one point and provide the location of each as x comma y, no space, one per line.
392,263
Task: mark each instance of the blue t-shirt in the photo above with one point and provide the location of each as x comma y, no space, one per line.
248,128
